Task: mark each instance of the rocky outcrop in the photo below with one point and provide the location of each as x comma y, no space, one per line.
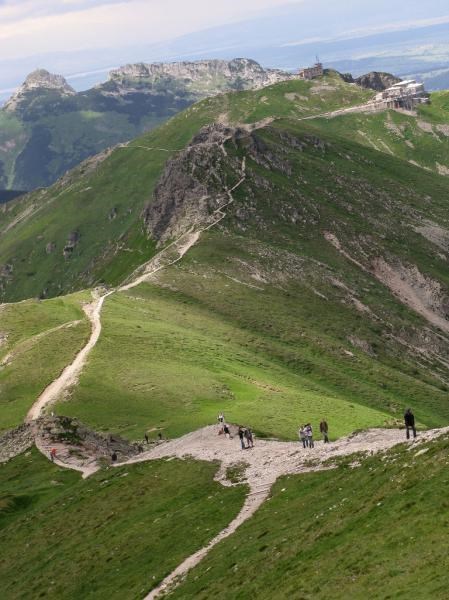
81,441
16,441
193,184
39,81
375,80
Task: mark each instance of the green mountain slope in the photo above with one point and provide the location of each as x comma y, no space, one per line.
37,340
329,268
47,128
100,203
117,534
376,531
317,287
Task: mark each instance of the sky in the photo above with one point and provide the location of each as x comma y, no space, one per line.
39,26
74,37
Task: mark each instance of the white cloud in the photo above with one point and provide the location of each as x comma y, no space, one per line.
32,27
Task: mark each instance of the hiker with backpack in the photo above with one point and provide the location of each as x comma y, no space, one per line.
324,430
409,420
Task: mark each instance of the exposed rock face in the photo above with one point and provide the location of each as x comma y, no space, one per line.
39,81
375,80
211,75
72,240
16,441
72,433
192,185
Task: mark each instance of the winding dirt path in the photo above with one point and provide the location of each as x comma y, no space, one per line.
69,376
263,464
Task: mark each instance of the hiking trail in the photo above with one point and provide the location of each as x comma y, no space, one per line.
264,463
70,375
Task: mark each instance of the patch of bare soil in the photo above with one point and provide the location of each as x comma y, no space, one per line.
435,234
419,292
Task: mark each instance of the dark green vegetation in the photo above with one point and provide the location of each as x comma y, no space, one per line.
37,340
378,531
100,203
115,535
47,128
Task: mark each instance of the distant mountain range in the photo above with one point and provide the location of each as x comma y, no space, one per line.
47,128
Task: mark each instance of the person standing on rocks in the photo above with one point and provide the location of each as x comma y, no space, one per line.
302,436
53,454
227,431
409,420
242,437
324,430
309,435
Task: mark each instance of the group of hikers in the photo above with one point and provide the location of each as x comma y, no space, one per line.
305,432
245,433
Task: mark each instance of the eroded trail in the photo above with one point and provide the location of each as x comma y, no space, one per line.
263,464
70,374
167,257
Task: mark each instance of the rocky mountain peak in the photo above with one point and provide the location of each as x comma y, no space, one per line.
214,75
40,80
375,80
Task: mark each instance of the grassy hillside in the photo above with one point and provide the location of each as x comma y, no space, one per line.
422,141
180,363
116,535
376,531
101,202
264,318
37,340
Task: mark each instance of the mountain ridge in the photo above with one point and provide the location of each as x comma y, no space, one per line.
46,128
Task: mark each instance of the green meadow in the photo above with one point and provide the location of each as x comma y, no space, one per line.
115,535
39,339
377,531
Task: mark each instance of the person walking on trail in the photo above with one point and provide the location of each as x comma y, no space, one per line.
324,430
302,436
409,420
249,438
227,431
242,437
309,435
53,454
146,438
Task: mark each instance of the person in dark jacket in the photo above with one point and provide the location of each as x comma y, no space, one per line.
409,420
249,438
324,430
242,437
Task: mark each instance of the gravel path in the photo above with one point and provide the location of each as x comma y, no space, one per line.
267,461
